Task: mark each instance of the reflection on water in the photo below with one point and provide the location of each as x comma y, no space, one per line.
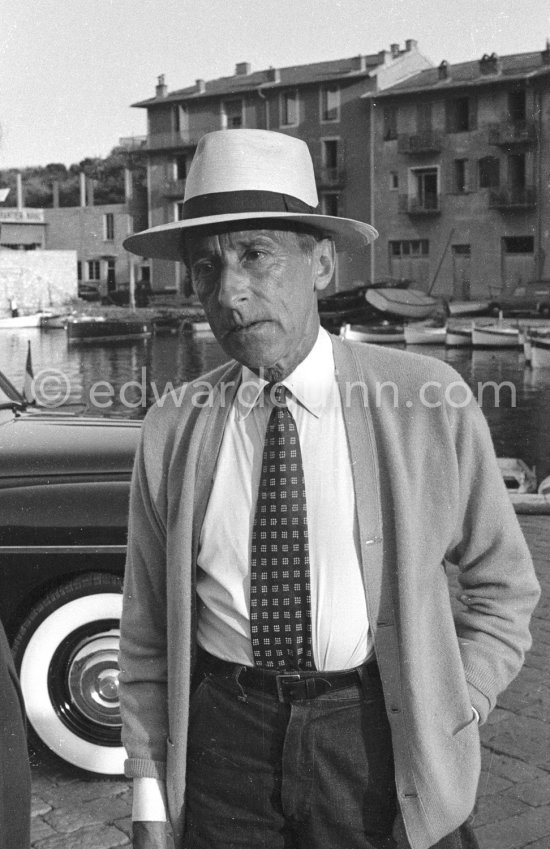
137,371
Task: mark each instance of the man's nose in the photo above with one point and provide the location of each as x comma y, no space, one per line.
233,286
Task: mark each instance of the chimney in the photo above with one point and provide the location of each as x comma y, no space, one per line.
443,70
200,86
55,194
90,191
382,57
273,75
411,44
545,54
161,89
128,185
360,63
82,183
242,69
19,182
489,64
394,50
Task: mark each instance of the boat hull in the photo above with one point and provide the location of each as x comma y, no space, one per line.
488,336
458,337
540,352
424,335
375,334
107,330
403,303
34,320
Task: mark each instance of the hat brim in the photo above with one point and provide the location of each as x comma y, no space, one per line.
165,241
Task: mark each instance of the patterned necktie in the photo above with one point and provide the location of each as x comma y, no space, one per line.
280,595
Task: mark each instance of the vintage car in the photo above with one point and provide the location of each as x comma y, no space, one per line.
64,483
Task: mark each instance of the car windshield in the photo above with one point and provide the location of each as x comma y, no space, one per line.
9,396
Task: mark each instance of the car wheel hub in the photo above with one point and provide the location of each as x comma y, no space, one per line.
93,680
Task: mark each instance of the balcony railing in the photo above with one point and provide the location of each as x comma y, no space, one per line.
165,141
174,188
329,175
429,205
510,199
512,132
420,143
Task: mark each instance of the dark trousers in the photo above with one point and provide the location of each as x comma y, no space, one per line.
312,774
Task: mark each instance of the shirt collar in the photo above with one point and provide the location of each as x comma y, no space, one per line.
310,382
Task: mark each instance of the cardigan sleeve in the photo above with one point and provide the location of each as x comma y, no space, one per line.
143,656
498,587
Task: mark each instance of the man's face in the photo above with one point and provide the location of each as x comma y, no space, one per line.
258,289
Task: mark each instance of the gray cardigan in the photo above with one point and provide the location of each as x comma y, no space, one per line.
428,491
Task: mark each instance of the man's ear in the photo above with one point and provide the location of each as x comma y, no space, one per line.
324,261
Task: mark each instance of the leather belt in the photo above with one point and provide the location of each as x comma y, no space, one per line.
287,686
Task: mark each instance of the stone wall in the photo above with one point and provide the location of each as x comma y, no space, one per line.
36,279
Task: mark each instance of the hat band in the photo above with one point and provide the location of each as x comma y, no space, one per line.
236,203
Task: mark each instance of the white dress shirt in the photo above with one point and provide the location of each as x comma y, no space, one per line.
340,630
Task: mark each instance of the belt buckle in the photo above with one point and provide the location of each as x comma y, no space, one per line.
282,678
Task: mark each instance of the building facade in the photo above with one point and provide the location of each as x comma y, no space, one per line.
462,176
319,103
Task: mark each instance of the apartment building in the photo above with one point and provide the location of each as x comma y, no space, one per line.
319,103
461,175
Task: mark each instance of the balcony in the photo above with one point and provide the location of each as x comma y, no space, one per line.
421,143
509,133
428,205
515,199
173,188
328,176
174,141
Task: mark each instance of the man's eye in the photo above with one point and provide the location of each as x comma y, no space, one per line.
254,255
203,269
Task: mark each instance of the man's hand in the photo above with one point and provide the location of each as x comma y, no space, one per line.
150,835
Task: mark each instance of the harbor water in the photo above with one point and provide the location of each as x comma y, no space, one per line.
125,378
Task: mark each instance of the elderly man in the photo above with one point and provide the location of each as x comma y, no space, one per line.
292,672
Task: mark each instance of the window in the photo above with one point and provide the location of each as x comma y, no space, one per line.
410,247
394,180
330,103
516,106
424,189
78,270
330,159
460,115
516,171
176,118
489,172
289,109
390,123
519,244
109,226
424,119
232,114
459,176
329,204
94,269
180,167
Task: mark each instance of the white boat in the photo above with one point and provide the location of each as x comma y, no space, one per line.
457,308
404,303
544,487
517,475
458,336
540,351
35,319
424,333
378,334
495,336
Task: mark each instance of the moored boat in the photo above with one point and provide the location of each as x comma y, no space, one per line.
495,336
35,319
517,475
404,303
379,334
458,336
458,308
424,333
88,329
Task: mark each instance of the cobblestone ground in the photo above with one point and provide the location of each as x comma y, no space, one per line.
513,809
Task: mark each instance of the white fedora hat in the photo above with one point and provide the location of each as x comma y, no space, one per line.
246,175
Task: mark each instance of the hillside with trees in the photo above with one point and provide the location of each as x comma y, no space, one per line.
107,174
